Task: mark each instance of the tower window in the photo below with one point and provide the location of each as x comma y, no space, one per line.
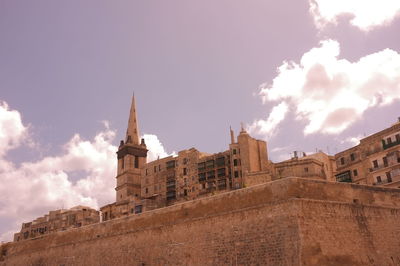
235,162
123,163
136,162
234,151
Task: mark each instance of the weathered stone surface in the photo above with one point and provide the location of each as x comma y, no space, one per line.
286,222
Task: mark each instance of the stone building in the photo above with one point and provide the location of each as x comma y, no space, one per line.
375,161
192,174
314,166
59,220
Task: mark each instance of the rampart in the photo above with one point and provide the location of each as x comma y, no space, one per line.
292,221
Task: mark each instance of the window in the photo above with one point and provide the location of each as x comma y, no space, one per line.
147,171
147,190
138,209
342,160
210,174
355,172
159,167
389,177
210,164
352,156
375,163
123,163
220,161
306,169
202,177
155,169
398,137
221,172
234,151
201,166
385,161
236,174
170,164
136,162
184,171
185,192
378,179
389,140
235,162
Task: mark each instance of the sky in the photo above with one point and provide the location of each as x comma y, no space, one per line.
302,75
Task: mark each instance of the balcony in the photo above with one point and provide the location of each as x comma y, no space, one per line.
389,145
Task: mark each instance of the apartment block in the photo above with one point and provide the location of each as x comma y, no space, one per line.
375,161
59,220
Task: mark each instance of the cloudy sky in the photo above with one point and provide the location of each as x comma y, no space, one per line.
303,75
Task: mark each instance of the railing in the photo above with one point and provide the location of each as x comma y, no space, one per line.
389,145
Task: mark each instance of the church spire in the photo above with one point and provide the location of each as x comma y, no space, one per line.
132,132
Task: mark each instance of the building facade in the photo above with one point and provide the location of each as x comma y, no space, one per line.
375,161
192,174
59,220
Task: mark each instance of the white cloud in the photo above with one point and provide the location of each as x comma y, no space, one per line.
268,127
12,131
329,93
155,147
365,14
353,141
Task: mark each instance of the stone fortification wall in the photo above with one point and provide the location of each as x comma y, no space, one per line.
286,222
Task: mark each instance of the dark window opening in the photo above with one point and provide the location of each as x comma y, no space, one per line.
306,169
138,209
235,162
385,162
389,140
220,161
389,177
236,174
184,171
378,179
352,156
355,173
201,166
375,163
185,192
170,164
342,160
136,162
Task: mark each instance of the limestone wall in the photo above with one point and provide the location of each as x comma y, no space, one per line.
285,222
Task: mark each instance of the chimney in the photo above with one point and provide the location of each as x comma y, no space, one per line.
232,135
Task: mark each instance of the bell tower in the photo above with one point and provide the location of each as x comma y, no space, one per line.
131,158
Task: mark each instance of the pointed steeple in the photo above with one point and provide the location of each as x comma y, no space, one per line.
132,132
